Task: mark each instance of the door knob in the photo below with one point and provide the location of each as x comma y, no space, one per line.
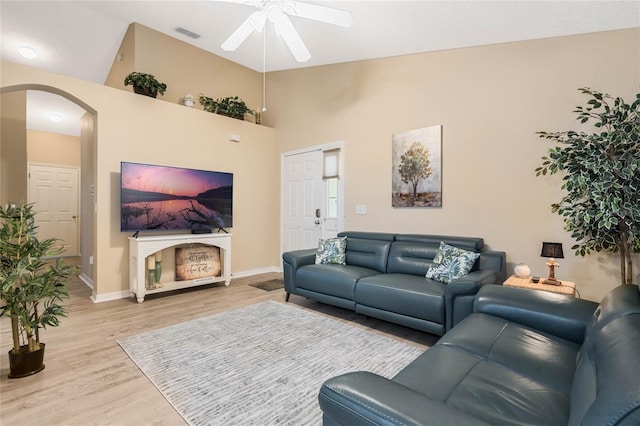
317,222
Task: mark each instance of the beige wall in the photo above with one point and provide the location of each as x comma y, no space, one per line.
183,68
137,128
13,148
53,148
490,100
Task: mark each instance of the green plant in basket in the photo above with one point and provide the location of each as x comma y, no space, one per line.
231,106
145,84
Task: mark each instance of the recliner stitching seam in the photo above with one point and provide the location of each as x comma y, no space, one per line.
477,356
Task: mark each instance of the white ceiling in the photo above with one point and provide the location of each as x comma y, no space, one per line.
81,38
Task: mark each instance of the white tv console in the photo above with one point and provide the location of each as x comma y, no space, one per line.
141,247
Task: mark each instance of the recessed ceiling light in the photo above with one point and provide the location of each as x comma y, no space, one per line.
55,118
28,52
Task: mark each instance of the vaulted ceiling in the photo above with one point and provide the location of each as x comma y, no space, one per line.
81,38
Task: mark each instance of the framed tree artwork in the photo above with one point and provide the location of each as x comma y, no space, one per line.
417,168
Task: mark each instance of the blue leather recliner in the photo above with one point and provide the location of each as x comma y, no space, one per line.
524,357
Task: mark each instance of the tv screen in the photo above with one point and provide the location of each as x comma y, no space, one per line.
158,198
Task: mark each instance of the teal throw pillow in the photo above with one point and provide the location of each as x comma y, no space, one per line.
332,250
451,263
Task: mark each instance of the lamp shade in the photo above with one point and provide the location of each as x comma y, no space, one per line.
552,250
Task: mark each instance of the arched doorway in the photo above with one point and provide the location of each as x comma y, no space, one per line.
14,164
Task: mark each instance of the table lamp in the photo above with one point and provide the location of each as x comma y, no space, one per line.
552,251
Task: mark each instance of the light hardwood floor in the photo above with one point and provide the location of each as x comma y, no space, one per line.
89,380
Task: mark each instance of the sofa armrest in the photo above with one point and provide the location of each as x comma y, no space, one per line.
460,294
291,261
556,314
480,277
363,398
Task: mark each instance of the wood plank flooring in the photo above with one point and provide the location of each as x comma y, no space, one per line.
89,380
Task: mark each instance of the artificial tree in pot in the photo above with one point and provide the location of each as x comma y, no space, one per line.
601,178
32,287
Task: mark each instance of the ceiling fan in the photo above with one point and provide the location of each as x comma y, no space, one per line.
278,12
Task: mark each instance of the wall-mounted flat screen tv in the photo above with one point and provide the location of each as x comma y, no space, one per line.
163,198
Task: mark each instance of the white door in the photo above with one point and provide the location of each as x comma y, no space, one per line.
54,190
301,203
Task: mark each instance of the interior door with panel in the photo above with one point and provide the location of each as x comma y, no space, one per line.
54,190
301,200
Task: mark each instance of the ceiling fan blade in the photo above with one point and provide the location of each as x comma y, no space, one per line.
285,28
325,14
255,22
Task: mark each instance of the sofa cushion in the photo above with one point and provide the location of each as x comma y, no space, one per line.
497,371
409,295
331,250
334,280
406,257
370,254
451,263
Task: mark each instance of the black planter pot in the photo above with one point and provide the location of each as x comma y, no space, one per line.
146,92
226,114
26,363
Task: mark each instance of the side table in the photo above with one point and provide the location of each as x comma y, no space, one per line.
566,287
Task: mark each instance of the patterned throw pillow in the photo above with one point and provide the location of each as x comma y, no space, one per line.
331,250
451,263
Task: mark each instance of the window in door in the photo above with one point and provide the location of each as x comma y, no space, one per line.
332,193
332,198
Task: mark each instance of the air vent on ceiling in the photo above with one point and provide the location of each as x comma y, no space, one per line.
186,32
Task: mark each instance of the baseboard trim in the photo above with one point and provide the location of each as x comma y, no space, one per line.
252,272
86,279
99,298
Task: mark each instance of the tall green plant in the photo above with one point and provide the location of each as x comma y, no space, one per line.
601,177
32,288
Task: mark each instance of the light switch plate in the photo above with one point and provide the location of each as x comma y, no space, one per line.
361,209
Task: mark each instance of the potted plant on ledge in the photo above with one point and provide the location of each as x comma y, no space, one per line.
31,288
145,84
232,106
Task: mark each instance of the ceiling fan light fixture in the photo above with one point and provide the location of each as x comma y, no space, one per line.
278,11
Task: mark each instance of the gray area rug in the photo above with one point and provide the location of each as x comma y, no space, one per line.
262,364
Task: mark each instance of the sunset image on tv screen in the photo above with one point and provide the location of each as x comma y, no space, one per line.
172,198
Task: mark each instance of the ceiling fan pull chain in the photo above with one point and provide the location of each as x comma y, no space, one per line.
264,69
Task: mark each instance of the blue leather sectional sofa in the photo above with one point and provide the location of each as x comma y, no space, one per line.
524,357
384,277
